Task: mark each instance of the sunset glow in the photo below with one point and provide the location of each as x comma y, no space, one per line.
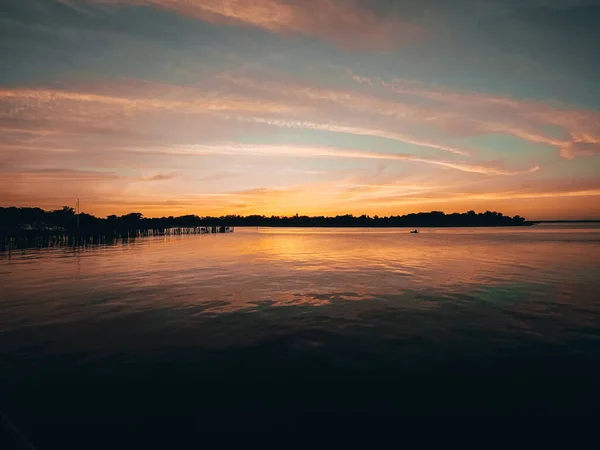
171,107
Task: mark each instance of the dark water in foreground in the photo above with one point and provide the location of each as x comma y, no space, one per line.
280,328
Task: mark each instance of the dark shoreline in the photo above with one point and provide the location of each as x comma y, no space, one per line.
34,227
14,219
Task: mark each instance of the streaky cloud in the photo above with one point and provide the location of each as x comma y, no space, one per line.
130,96
352,101
165,97
478,113
344,23
299,151
360,131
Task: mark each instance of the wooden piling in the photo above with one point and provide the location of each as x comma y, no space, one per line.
80,238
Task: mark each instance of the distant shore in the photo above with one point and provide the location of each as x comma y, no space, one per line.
34,227
15,219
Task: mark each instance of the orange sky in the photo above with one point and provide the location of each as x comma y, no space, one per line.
168,107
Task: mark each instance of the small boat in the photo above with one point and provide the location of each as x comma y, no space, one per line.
415,231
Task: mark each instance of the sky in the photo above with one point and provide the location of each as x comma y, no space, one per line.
317,107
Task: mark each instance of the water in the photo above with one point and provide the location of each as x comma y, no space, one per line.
274,328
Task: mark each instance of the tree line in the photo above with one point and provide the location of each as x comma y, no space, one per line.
66,218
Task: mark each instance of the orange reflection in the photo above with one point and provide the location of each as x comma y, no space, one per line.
210,274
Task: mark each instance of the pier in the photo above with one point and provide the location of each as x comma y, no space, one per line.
42,238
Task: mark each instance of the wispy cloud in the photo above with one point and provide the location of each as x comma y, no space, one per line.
345,23
139,96
159,177
468,113
107,193
71,109
357,102
290,105
137,129
585,146
334,152
356,130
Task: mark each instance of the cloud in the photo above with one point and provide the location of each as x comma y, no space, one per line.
124,113
55,187
580,148
490,198
360,131
350,100
470,113
333,152
116,108
113,104
159,177
130,96
136,128
344,23
106,193
133,126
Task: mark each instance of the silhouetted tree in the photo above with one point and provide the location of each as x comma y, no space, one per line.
12,217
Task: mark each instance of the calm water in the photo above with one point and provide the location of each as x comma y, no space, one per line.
273,328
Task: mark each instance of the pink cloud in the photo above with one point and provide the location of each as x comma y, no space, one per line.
105,106
345,23
134,128
580,148
356,130
469,113
132,108
336,152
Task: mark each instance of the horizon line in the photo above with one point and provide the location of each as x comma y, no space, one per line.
309,215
